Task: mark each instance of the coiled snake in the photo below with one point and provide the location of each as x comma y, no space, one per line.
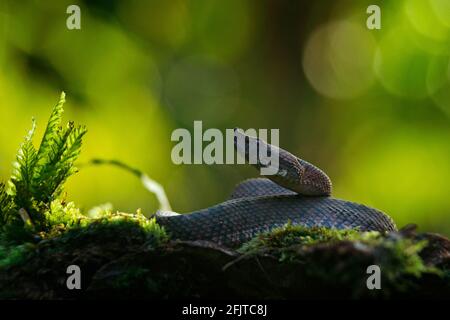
299,193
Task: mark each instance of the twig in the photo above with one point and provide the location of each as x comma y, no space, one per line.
148,183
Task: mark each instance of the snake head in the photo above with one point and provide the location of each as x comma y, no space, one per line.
286,169
314,181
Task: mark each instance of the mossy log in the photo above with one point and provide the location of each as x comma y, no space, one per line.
123,260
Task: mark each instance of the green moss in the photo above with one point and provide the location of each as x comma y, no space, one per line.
338,256
61,217
14,255
134,227
294,235
400,257
70,231
126,221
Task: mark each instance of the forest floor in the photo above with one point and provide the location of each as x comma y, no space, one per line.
131,257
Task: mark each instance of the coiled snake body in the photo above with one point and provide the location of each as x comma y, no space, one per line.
299,193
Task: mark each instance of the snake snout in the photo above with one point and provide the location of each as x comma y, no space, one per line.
314,181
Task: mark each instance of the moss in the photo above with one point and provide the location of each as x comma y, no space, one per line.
128,255
401,255
342,256
294,235
135,227
61,217
69,230
14,255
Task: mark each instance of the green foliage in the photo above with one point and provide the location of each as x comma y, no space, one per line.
14,255
100,210
154,233
116,229
39,175
61,217
31,209
401,257
57,163
52,127
24,166
5,205
292,235
397,256
70,231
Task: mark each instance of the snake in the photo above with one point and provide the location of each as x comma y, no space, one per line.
299,193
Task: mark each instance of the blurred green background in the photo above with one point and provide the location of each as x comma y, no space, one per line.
370,107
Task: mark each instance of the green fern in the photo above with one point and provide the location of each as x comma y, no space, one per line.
39,175
24,167
5,204
57,163
53,125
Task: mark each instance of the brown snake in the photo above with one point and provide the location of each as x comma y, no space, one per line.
299,193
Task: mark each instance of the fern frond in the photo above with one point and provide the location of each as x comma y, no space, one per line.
39,174
65,166
53,124
73,145
58,166
24,168
5,204
44,177
3,196
58,151
58,146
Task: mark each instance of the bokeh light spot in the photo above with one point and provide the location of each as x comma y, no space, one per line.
429,33
423,18
401,66
441,9
338,58
438,82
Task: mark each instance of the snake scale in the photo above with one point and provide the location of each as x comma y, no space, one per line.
299,192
